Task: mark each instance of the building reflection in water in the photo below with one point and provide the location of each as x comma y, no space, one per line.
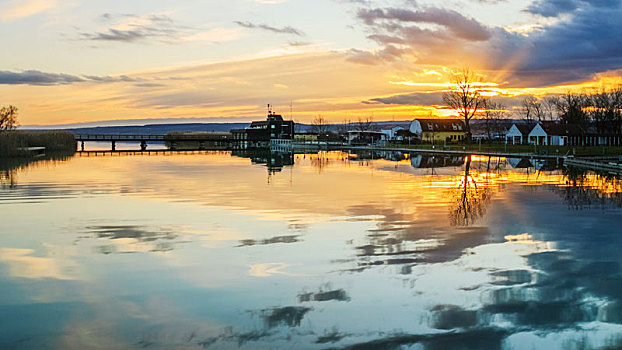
274,160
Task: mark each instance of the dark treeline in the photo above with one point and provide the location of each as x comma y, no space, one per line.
601,109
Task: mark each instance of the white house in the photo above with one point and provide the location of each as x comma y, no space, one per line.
392,133
553,134
366,137
518,134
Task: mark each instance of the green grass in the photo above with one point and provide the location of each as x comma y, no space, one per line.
550,150
52,140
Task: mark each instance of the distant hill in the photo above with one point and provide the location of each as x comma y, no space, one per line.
160,129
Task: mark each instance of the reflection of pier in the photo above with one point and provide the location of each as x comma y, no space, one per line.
105,153
204,140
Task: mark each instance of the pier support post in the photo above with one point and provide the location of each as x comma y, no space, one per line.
114,146
82,146
143,145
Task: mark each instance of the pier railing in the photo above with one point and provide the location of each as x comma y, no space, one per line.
171,137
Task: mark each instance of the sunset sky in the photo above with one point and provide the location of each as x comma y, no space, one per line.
83,61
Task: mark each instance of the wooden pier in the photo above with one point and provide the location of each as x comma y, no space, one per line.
203,140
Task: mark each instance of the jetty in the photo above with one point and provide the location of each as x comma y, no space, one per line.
204,140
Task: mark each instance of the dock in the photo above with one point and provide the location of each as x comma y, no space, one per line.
32,151
204,140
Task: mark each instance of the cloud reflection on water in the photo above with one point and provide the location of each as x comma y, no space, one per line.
377,236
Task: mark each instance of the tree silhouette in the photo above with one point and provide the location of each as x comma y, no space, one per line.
319,124
8,117
465,97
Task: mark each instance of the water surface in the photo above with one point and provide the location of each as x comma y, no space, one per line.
331,250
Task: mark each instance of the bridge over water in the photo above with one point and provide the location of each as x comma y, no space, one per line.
204,140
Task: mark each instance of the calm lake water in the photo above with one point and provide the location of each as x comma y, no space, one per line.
308,251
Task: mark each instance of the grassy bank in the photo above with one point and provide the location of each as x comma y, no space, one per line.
53,140
549,150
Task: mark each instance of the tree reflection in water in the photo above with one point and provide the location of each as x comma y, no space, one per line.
8,178
583,189
9,167
471,199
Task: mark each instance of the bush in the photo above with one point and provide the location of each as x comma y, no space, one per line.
53,140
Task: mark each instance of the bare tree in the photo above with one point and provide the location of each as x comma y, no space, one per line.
8,117
549,107
570,108
465,98
531,110
605,109
535,110
319,124
493,113
344,127
366,124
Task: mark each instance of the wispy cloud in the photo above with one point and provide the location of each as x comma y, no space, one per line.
281,30
35,77
131,28
17,9
416,98
456,23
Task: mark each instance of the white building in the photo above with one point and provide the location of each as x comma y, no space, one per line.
553,134
392,133
518,134
366,137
